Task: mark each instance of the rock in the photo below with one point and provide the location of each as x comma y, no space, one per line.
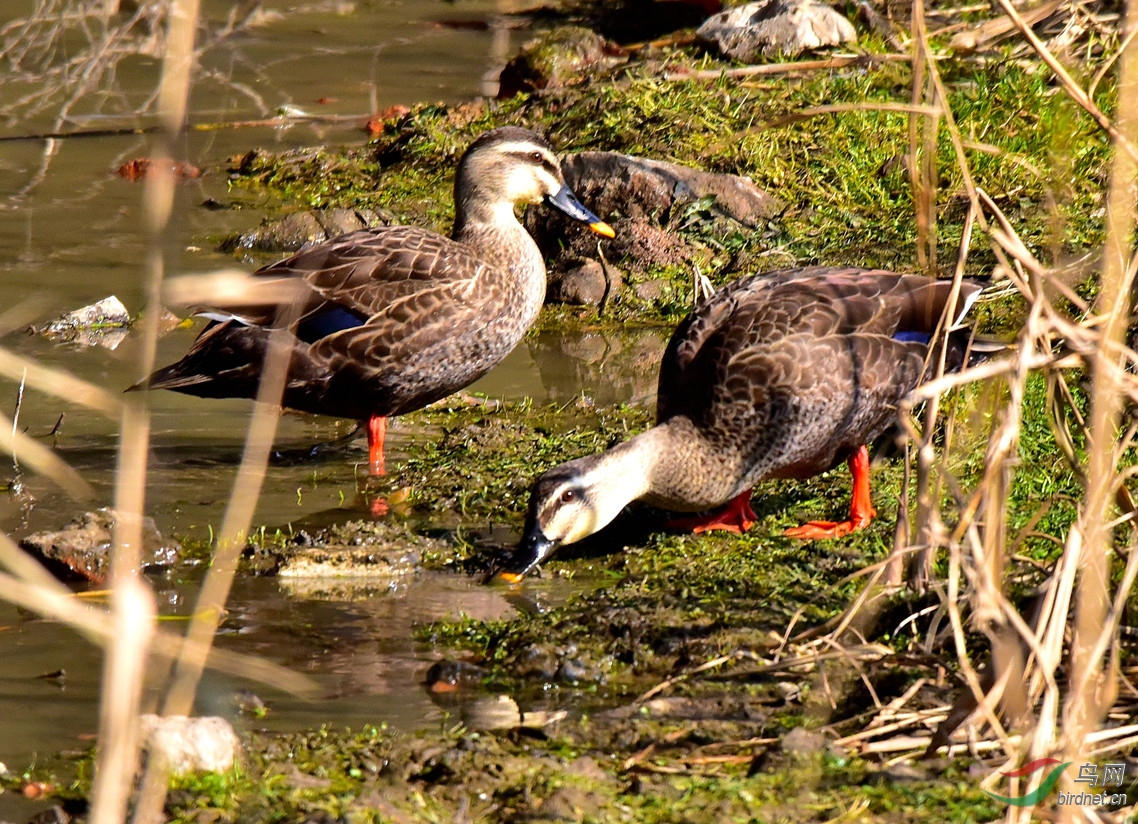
537,662
552,60
206,744
651,290
389,565
573,671
637,187
801,741
247,702
772,27
643,199
104,323
82,549
300,229
586,284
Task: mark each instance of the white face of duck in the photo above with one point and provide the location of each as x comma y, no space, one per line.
573,501
530,173
520,171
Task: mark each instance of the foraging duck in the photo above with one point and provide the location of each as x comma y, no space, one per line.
390,319
778,375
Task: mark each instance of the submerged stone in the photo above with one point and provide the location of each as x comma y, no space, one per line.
103,323
82,549
351,561
772,27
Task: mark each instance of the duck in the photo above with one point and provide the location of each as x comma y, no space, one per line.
386,320
785,374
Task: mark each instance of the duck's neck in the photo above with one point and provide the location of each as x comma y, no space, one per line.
622,474
492,230
474,211
681,471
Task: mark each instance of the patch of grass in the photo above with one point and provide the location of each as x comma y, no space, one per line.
843,174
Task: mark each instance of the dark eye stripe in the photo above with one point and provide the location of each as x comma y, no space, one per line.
544,162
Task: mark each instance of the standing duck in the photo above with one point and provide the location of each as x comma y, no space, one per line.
779,375
391,319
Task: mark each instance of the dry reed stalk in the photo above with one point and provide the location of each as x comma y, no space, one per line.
921,159
124,675
1028,653
1093,682
118,755
234,528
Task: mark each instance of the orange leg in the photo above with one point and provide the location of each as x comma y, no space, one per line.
376,430
737,516
861,507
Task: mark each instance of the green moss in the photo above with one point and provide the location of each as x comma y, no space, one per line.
843,174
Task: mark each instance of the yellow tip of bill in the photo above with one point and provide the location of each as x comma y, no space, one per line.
602,228
509,577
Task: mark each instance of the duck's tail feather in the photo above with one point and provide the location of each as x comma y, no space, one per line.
224,362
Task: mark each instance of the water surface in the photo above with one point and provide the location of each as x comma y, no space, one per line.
70,234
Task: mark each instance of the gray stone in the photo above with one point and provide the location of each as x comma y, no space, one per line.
82,549
637,187
585,284
104,323
772,27
801,741
206,744
651,289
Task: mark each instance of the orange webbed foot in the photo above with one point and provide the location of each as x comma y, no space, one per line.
737,516
821,530
861,508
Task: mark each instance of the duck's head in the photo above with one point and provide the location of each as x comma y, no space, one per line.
576,499
511,165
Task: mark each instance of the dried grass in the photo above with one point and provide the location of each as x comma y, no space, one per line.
1048,678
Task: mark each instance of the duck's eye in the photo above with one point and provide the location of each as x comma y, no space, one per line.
568,496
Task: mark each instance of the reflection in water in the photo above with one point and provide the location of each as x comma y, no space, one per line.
609,366
359,646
